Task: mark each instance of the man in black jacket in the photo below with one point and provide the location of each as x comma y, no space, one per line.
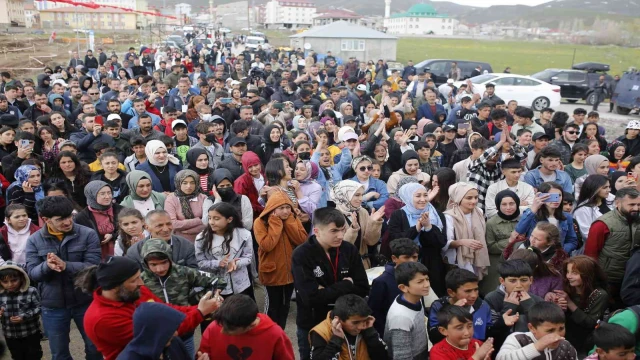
324,269
91,63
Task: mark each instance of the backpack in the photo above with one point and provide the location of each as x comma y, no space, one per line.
565,351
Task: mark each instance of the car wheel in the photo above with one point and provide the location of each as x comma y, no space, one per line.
591,99
540,103
572,101
622,110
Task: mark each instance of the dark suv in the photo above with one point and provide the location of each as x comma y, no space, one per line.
577,83
439,68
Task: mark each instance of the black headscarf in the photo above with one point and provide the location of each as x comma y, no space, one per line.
228,195
406,156
503,194
192,156
267,136
613,178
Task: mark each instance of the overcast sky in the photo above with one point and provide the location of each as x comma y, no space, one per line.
486,3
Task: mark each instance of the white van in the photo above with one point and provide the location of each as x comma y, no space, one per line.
252,42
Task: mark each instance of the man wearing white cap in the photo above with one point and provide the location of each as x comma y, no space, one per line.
447,89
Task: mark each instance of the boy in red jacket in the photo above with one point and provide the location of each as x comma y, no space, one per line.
456,324
239,331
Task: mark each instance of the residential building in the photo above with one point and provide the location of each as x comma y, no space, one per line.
79,17
289,14
345,40
324,17
233,15
420,19
13,15
31,16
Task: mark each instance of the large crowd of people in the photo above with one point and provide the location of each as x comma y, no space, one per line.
148,194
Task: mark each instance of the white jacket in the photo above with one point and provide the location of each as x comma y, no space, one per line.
511,349
524,191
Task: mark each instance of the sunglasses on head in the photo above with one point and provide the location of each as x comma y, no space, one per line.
363,168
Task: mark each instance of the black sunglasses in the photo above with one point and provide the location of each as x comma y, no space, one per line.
572,132
363,168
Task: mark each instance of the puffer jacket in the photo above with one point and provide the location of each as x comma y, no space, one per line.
180,285
276,240
79,248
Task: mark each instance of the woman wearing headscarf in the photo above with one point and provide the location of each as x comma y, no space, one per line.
363,228
376,192
594,164
26,190
271,143
392,204
617,159
466,246
251,182
161,166
306,174
410,167
198,161
101,215
185,205
419,221
141,196
223,191
499,229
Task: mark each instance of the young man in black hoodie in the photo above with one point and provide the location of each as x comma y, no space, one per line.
324,268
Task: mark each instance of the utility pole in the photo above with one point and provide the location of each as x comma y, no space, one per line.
248,17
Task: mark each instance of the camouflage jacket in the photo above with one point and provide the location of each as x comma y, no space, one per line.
182,285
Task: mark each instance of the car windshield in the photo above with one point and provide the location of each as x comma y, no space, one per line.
255,41
544,74
482,78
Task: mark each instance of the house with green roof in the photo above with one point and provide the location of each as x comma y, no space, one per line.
420,19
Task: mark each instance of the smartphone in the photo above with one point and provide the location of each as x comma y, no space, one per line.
631,176
24,143
226,100
99,121
132,88
464,126
552,197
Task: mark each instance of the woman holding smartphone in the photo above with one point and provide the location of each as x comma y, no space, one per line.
547,206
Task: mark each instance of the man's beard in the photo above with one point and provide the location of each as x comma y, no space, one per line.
632,216
128,296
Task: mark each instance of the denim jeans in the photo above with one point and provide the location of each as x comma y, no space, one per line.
190,345
57,325
303,344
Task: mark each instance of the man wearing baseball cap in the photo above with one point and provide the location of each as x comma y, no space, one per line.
117,291
233,163
539,141
447,147
182,142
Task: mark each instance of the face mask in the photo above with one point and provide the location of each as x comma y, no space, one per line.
290,92
226,193
206,117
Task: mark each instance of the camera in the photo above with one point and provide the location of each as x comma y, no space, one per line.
256,74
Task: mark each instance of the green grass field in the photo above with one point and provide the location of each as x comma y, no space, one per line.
524,57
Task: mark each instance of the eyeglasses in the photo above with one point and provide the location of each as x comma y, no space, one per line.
364,168
571,132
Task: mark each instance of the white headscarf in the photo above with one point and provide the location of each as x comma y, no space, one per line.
342,193
152,147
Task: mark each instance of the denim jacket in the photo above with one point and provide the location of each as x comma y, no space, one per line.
375,185
568,236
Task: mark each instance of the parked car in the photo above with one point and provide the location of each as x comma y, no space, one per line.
439,68
527,91
252,43
627,94
394,65
577,83
177,39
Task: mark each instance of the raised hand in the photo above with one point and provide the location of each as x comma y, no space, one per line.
377,215
510,320
483,352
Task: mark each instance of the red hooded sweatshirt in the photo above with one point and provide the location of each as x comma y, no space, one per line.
244,184
109,324
264,342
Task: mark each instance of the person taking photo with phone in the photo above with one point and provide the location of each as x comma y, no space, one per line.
90,134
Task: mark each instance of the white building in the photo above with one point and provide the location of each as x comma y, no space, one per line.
290,14
12,13
233,15
420,19
183,9
31,16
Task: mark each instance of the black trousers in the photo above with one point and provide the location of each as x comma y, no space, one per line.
279,303
27,348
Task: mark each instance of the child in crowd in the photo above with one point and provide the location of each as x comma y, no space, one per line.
15,233
544,340
545,279
20,313
238,331
347,333
512,294
613,342
384,289
130,230
456,325
462,290
405,332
